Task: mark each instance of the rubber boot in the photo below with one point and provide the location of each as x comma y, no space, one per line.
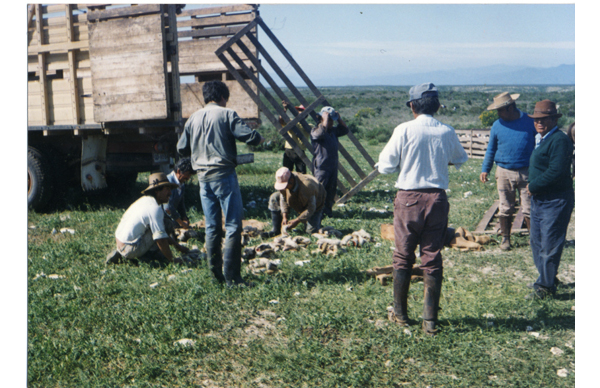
431,301
215,259
232,262
505,226
276,219
401,286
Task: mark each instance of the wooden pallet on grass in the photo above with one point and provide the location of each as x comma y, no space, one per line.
489,223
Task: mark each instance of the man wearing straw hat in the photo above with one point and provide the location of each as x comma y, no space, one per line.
141,232
512,139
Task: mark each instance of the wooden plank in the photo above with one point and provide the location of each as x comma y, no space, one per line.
175,80
247,88
221,20
192,99
205,67
30,13
41,68
216,10
487,217
131,84
280,73
518,221
361,149
193,46
351,161
131,112
61,47
372,175
287,55
72,66
346,175
137,10
209,32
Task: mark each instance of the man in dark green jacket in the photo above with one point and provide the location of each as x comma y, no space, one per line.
553,197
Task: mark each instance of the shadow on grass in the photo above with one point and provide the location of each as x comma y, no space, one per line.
74,198
542,321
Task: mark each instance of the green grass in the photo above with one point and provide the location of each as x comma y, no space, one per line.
104,326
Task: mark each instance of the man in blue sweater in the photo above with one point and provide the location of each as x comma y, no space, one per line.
512,139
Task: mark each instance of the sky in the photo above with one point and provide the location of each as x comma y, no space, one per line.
349,41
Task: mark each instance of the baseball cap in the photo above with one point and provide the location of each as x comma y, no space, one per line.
282,176
419,91
332,113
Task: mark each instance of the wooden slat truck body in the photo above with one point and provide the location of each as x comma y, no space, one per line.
106,98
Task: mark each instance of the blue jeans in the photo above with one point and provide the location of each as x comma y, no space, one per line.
223,196
550,216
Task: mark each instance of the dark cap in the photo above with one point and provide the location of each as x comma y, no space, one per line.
419,91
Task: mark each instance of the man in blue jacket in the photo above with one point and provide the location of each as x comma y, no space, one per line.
512,140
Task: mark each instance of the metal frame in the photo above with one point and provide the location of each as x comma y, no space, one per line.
275,109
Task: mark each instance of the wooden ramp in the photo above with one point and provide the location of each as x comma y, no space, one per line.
489,223
271,105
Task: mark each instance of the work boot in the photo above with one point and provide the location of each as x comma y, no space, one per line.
505,226
277,219
431,301
114,258
401,286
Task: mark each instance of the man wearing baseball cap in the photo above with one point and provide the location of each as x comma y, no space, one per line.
141,232
421,150
325,143
304,194
512,139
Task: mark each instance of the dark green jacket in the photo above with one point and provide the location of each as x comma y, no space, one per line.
550,165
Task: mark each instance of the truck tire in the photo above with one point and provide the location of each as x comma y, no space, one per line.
39,181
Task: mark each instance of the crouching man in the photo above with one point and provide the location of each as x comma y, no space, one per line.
420,150
300,192
141,234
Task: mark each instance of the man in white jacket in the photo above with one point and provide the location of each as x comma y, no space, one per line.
420,150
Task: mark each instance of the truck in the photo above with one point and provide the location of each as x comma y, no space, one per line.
109,88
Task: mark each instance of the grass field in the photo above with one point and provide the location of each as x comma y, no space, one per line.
322,324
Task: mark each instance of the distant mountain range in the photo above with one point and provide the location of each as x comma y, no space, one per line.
490,75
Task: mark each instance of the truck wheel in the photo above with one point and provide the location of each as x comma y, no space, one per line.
39,182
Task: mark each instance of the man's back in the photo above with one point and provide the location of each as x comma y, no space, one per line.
422,149
209,136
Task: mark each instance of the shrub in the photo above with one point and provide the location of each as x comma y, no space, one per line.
488,117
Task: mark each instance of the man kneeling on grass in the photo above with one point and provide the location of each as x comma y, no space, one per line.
141,234
300,192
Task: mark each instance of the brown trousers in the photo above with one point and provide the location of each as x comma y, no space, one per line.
420,218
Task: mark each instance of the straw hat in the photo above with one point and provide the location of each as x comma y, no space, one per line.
502,100
157,181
